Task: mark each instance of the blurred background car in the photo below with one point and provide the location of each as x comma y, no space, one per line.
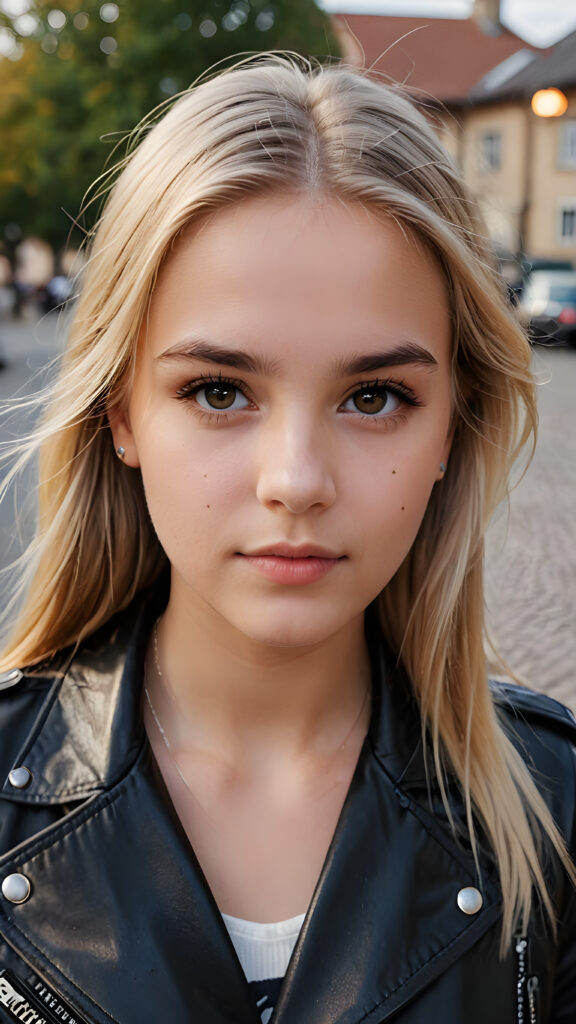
543,263
548,304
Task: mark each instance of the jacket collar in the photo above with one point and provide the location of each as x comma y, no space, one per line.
89,730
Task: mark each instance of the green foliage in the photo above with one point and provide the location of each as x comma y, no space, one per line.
79,78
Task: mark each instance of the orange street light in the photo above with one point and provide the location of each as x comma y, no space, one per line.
549,103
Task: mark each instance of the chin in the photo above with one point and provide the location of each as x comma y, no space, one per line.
286,632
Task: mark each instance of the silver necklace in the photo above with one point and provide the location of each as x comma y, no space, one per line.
159,725
162,730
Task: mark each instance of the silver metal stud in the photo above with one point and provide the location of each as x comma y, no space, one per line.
469,900
20,777
10,678
16,888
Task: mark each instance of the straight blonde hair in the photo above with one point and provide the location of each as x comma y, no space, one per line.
270,125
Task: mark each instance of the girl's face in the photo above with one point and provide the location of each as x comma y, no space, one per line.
290,412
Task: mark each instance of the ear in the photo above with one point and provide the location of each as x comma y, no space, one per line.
122,436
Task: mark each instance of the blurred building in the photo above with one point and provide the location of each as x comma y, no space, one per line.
476,79
524,162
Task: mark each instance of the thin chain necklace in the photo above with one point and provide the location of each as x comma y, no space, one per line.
159,725
164,734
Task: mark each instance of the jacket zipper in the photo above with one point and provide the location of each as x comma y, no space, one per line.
527,988
532,989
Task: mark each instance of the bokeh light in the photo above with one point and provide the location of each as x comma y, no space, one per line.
183,21
14,8
109,12
236,16
168,86
9,45
56,19
26,24
265,20
207,28
108,44
49,43
549,103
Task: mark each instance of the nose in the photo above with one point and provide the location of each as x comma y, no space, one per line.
294,466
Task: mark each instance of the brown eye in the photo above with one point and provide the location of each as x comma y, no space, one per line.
370,400
219,396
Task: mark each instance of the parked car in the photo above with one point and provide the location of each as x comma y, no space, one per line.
548,302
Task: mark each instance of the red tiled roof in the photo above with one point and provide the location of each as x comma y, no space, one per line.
441,57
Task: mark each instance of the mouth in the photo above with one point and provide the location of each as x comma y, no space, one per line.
292,565
300,551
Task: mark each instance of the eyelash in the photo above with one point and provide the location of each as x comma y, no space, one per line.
394,387
190,390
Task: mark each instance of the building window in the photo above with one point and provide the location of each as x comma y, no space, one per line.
490,151
567,222
567,149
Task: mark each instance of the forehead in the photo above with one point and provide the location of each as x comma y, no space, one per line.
295,273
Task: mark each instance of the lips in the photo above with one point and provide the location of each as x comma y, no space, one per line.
292,565
284,550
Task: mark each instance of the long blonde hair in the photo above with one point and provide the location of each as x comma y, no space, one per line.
274,124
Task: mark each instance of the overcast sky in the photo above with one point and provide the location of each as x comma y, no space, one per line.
539,21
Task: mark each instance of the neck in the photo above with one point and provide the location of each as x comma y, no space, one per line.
219,690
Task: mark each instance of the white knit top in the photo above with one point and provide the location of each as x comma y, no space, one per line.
264,950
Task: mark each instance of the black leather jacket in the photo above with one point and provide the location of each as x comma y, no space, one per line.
120,926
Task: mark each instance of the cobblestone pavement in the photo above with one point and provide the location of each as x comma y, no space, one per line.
531,553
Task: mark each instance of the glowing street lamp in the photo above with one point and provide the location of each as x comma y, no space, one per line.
549,103
545,103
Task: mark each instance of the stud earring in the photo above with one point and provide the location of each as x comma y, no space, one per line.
121,452
442,467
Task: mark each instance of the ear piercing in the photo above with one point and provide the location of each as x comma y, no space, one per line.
121,452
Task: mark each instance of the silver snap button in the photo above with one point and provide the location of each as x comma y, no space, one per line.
10,678
469,900
20,777
16,888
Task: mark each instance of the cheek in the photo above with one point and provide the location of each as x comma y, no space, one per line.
397,502
189,491
401,510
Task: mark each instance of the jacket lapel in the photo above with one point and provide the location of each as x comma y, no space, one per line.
384,921
120,921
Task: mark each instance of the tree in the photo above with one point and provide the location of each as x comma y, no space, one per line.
74,80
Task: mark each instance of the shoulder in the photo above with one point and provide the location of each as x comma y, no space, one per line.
523,707
544,734
24,695
27,686
75,719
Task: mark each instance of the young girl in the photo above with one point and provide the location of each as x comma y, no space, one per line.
253,765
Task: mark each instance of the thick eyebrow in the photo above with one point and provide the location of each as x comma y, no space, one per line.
401,355
209,353
409,353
